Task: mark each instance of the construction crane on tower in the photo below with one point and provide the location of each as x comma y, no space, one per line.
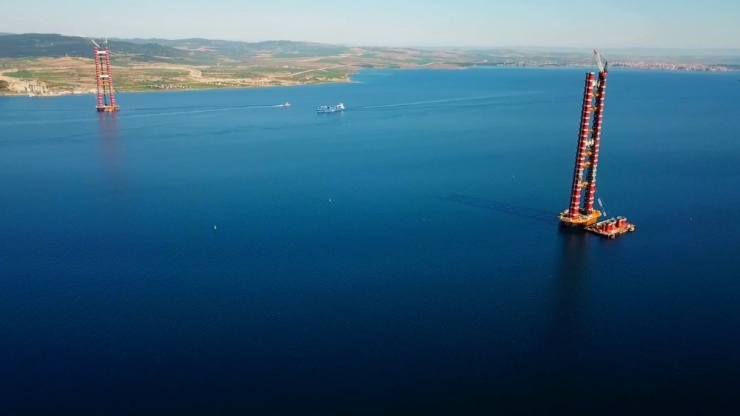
600,62
581,211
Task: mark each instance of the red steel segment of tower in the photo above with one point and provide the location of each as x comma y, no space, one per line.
110,78
575,195
98,80
596,137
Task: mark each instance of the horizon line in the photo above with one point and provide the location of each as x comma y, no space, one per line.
360,45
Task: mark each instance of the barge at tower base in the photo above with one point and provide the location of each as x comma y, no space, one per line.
611,228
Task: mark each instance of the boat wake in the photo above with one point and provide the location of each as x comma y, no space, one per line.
447,100
210,110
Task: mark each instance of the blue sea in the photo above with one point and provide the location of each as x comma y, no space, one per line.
211,252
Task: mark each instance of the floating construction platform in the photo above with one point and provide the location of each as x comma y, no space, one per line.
611,228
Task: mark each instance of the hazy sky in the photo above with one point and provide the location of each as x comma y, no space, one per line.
563,23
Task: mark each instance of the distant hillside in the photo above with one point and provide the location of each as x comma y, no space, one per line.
223,62
240,50
33,45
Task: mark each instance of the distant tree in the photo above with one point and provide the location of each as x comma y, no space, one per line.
4,86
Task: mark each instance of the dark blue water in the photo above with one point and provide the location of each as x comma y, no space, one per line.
402,257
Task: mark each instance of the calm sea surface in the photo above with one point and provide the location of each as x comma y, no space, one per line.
210,252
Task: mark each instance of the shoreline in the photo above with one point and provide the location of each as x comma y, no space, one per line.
349,80
162,90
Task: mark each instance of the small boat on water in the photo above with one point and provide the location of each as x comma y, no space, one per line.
331,108
286,104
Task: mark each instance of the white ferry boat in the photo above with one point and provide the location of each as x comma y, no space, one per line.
331,108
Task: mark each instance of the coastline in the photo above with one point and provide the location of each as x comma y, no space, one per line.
345,80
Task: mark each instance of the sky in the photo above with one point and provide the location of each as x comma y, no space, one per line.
431,23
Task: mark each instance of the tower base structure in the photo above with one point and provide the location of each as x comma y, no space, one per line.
582,220
107,108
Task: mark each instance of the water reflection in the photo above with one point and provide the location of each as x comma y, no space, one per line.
566,340
110,147
569,284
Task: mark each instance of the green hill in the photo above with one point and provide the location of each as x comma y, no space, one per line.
34,45
195,50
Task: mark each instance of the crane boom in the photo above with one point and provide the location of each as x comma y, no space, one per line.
600,61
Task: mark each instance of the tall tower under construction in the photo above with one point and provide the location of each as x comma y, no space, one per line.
104,77
581,211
